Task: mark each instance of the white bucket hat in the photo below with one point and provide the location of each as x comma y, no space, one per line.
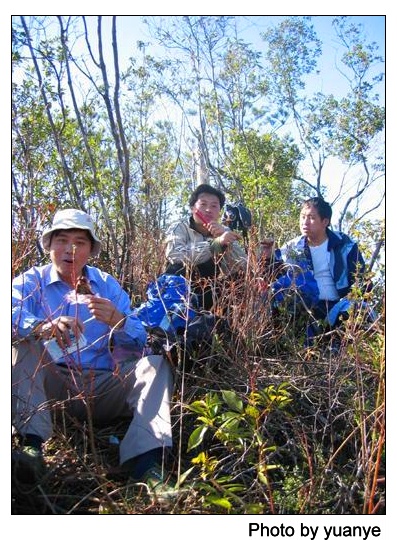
71,219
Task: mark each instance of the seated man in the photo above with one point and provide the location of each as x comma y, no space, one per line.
77,345
202,248
326,264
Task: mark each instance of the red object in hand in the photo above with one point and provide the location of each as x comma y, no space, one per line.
201,216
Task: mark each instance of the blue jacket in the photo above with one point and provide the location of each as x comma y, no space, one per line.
346,261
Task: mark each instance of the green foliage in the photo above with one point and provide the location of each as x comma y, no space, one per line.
347,127
293,52
103,143
237,423
266,167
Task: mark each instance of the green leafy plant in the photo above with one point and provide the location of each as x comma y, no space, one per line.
238,424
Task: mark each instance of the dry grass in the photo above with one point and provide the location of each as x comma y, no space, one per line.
326,446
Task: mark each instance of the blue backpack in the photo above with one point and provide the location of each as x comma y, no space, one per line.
172,319
299,279
170,304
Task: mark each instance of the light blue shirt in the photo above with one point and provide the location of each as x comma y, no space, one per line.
40,295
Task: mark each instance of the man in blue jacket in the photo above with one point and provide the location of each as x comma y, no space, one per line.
78,345
332,259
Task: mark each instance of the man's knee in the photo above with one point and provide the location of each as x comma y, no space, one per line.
28,351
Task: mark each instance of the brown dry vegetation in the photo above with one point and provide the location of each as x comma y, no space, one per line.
290,430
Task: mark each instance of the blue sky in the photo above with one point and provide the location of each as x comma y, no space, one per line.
131,29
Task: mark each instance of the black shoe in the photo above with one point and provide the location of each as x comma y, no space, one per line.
28,464
160,489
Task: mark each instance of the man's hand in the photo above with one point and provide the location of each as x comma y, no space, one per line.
267,247
224,235
105,311
228,237
61,329
215,229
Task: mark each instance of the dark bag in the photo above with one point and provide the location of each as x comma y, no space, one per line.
237,217
195,341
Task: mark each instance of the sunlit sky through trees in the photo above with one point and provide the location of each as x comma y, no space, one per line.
329,77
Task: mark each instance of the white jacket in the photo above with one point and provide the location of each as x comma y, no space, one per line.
190,247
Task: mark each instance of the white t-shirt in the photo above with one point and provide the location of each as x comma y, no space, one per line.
322,272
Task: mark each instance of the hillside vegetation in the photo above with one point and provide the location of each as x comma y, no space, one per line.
261,423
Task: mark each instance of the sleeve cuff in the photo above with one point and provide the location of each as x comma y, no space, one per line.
216,247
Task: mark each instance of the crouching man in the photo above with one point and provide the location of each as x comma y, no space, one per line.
77,345
323,267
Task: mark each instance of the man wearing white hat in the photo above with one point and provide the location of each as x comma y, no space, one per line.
84,351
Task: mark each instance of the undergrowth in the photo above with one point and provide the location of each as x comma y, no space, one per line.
262,424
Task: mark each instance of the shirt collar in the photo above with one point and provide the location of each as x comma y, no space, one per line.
52,276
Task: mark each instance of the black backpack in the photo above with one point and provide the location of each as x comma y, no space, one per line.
195,341
237,217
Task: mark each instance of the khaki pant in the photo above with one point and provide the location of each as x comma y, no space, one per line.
141,389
